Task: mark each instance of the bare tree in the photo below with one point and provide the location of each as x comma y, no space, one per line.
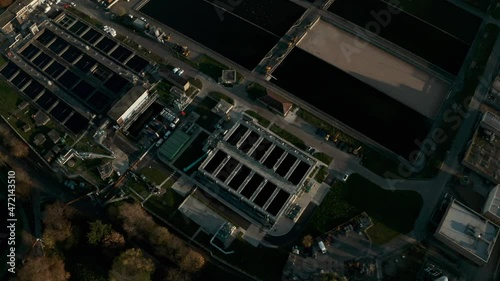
332,277
131,265
307,241
23,190
113,242
18,148
5,131
56,220
5,3
136,222
43,268
160,236
191,261
174,274
23,176
3,158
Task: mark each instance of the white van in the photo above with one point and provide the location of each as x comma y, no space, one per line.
322,247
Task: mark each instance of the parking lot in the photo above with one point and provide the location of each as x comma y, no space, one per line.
346,243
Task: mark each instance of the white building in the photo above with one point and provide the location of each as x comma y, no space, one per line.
467,232
131,105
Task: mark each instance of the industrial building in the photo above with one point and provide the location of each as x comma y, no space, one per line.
467,232
72,73
174,79
276,103
491,208
483,154
173,145
493,96
16,14
131,105
255,172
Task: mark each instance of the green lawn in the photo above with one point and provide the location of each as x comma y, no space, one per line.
2,61
323,157
139,187
322,174
213,68
154,175
380,234
265,263
256,91
262,121
393,212
196,82
210,66
166,204
220,96
9,99
291,138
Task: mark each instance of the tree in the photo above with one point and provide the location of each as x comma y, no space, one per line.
43,268
136,222
175,274
113,242
57,224
98,231
24,185
131,265
3,158
332,277
18,148
23,190
160,236
307,241
5,3
191,261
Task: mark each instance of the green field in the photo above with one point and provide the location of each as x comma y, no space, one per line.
393,212
322,174
255,91
265,263
154,175
291,138
212,67
323,157
166,204
220,96
262,121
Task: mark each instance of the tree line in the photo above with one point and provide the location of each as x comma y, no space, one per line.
128,262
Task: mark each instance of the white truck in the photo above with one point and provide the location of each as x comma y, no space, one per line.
322,247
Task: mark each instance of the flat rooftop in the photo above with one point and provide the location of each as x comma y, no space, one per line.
404,82
483,154
468,231
492,205
171,147
126,101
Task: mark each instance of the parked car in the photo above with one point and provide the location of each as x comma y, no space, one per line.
345,177
159,142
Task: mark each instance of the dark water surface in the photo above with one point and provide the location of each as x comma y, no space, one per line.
351,101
